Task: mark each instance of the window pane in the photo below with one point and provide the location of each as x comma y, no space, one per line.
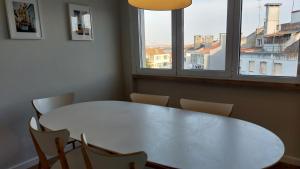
251,66
270,37
263,67
205,35
158,40
277,69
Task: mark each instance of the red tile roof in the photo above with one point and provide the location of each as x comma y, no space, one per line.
250,50
155,51
213,46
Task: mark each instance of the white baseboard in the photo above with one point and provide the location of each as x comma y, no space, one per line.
291,160
26,164
34,161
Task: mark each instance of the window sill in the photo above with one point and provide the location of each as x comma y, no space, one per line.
222,82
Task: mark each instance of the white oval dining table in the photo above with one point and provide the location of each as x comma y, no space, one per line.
171,137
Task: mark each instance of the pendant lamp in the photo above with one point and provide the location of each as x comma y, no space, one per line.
160,5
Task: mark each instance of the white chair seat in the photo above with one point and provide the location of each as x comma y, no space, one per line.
150,99
74,159
207,107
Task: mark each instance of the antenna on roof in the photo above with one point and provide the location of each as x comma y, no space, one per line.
259,12
293,6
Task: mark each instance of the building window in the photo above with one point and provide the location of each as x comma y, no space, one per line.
277,69
205,44
251,66
268,22
157,40
258,42
263,68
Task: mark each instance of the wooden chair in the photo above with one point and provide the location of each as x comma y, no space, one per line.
207,107
45,105
95,160
51,144
149,99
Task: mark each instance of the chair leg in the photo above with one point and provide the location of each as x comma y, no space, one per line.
39,165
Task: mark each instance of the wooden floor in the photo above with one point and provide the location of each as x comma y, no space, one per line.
284,166
277,166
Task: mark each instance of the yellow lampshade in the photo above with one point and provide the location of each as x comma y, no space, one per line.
160,5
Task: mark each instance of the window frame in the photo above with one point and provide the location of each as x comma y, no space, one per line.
233,39
238,8
141,48
228,58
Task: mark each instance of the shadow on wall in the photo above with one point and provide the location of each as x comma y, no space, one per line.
15,136
3,27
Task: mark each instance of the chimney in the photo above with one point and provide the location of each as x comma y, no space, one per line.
272,18
198,41
295,16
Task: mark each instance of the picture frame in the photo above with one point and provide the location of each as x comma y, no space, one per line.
81,22
24,19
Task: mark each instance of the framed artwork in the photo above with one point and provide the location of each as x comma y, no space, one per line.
81,22
24,19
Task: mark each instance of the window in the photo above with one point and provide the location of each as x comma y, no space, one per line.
277,70
201,41
205,46
268,36
258,42
251,66
263,68
157,40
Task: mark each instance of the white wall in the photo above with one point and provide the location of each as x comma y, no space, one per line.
289,67
39,68
295,17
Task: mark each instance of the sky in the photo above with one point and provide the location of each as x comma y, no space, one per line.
209,17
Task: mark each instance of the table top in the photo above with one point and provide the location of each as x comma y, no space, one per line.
172,137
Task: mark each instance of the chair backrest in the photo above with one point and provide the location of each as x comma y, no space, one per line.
45,105
207,107
149,99
45,141
94,160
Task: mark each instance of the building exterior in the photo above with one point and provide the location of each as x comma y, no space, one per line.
158,58
200,40
207,55
272,18
273,49
295,16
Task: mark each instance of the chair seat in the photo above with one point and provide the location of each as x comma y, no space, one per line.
71,140
74,159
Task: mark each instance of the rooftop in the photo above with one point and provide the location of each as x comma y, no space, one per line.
155,51
205,50
273,4
250,50
295,11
